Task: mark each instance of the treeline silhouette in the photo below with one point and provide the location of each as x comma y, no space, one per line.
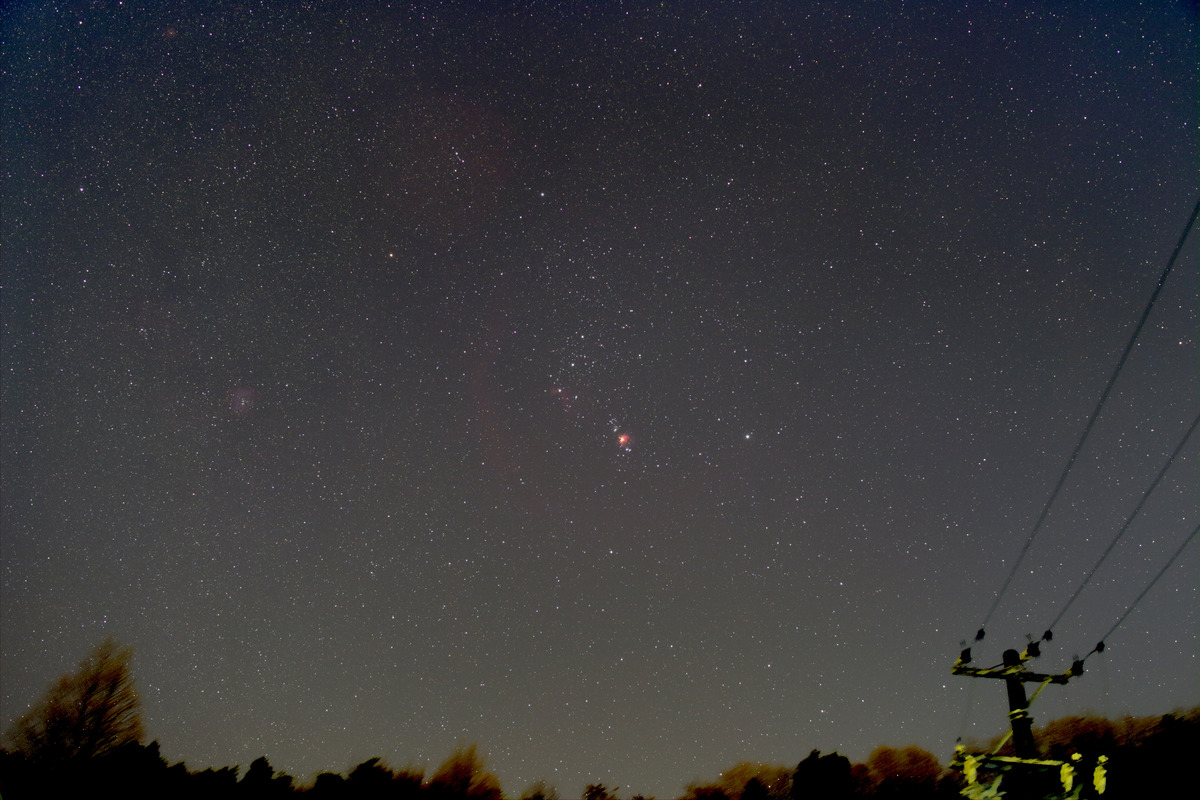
85,738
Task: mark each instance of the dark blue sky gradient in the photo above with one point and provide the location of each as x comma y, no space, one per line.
323,324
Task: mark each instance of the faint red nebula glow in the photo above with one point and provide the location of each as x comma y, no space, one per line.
242,401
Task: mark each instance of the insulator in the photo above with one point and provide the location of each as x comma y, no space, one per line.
1048,635
979,635
965,656
1033,650
1100,647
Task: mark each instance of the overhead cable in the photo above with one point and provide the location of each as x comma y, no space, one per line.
1099,648
1091,421
1049,629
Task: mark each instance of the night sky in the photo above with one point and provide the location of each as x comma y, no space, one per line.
632,389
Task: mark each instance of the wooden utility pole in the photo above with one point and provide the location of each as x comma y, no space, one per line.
1015,676
1031,776
1018,709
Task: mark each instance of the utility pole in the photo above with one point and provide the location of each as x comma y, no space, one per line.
1015,676
1018,709
1032,778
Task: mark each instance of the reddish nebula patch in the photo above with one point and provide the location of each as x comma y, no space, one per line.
242,401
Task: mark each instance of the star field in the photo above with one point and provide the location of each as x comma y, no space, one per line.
633,389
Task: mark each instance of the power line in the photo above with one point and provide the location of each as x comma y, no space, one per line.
1091,421
1099,648
1049,629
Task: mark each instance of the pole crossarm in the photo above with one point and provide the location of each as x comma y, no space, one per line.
1017,672
1012,671
1005,763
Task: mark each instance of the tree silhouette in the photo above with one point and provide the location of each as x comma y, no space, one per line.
370,779
406,784
598,791
259,775
213,782
462,776
762,781
903,773
374,780
328,786
261,781
827,777
701,791
755,789
85,715
539,790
